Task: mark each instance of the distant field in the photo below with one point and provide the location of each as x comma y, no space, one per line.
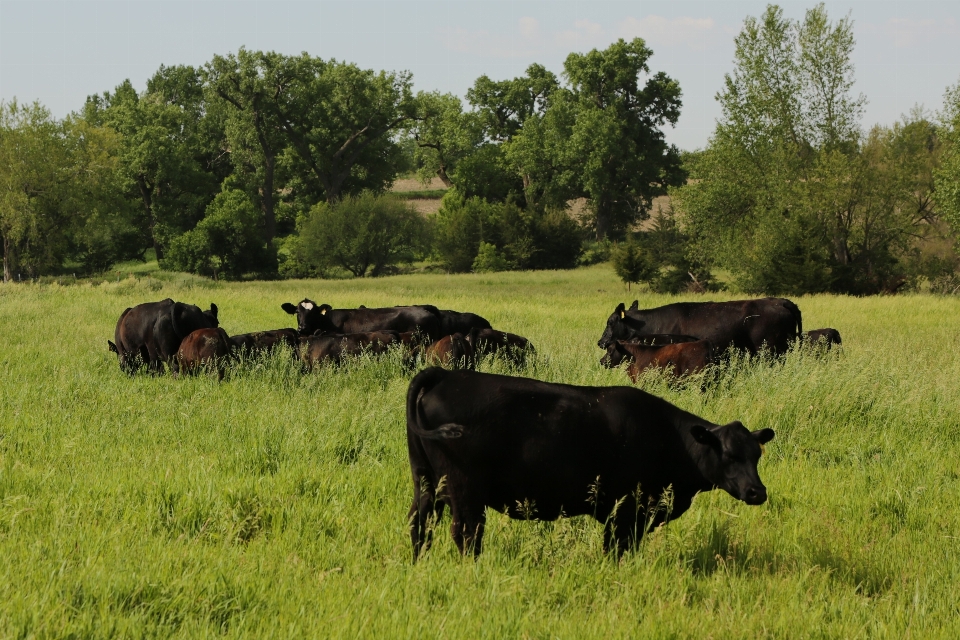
274,504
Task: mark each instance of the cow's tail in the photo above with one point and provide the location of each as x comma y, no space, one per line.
795,312
416,421
173,321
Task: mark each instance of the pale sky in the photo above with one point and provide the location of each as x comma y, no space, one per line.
60,51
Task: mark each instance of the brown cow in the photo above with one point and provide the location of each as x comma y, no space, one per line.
334,347
452,351
492,342
680,358
204,348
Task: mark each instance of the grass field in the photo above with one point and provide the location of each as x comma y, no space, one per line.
274,504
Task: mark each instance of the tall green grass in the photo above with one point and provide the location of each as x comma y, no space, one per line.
274,504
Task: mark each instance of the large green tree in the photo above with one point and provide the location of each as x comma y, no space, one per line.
164,159
240,91
341,121
790,195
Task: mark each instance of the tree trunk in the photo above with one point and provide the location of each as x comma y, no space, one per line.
603,222
7,260
146,195
442,174
266,198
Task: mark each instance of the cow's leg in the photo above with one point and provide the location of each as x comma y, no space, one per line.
469,519
424,506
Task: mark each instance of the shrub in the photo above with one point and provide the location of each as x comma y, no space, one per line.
522,238
363,234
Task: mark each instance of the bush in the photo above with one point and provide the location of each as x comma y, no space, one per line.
229,240
632,262
489,259
522,238
363,234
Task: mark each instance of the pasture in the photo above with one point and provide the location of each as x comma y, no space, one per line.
274,504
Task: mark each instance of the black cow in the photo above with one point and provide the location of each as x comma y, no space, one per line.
747,325
452,322
153,332
824,338
313,317
264,341
492,342
536,450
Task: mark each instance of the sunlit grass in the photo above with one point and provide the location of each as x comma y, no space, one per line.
274,504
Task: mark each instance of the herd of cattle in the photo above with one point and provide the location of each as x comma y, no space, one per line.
526,448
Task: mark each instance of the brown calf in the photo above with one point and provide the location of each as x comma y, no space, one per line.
334,347
452,351
680,359
204,347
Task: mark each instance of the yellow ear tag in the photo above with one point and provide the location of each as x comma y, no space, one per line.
323,312
623,314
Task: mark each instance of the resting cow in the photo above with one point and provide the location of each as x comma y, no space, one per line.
312,317
824,338
450,351
452,322
335,347
204,348
536,450
747,325
264,341
492,342
680,358
153,331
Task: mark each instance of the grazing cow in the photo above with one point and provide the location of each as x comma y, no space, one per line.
680,358
452,322
204,348
450,351
335,347
538,450
312,317
492,342
822,337
264,341
747,325
153,332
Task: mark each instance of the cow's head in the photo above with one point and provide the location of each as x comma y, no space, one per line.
615,355
728,459
621,326
128,361
311,316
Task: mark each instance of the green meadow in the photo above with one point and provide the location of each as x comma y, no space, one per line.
273,504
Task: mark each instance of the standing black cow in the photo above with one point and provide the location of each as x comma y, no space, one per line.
822,338
536,450
154,330
313,317
747,325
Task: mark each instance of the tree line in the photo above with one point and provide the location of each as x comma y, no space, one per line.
267,165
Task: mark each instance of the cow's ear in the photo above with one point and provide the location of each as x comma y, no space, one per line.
704,436
213,310
619,310
324,308
763,436
113,347
289,308
635,305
